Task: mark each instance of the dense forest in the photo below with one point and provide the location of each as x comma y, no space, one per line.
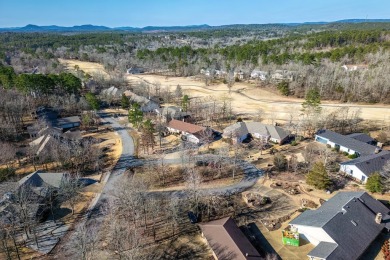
315,53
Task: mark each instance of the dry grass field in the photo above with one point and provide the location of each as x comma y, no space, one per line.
246,98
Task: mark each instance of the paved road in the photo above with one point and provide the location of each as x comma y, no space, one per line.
251,175
125,161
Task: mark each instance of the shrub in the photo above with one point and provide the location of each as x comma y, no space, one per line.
6,173
318,177
345,153
280,162
352,156
294,143
374,183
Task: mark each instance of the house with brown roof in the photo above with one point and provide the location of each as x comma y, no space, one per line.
227,241
190,132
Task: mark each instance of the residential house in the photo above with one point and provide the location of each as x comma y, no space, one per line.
50,136
227,241
239,74
258,74
67,123
190,132
350,144
283,75
172,112
370,158
220,74
363,167
36,187
362,137
242,130
354,67
48,118
112,92
343,227
147,105
206,72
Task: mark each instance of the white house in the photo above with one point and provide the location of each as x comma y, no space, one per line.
190,132
345,143
363,167
343,227
205,72
283,75
258,74
239,74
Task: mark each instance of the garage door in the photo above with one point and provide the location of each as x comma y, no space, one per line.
321,140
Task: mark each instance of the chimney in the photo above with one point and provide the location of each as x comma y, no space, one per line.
378,218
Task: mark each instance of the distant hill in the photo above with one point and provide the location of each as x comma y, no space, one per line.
96,28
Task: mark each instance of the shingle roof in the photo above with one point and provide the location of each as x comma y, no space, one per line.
370,163
321,216
348,142
243,128
237,129
185,127
323,250
67,120
39,179
227,240
347,218
362,137
112,91
172,111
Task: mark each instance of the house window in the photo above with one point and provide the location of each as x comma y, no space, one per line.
351,172
363,178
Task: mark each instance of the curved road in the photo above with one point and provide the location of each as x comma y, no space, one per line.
251,175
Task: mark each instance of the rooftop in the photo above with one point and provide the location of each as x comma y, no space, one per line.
370,163
227,240
185,127
67,120
346,141
346,218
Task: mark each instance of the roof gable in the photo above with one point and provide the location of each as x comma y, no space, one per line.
185,127
348,142
346,218
370,163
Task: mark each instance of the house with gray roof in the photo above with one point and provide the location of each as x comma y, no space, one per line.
36,188
363,167
350,144
362,137
370,158
172,112
112,92
147,105
344,226
241,130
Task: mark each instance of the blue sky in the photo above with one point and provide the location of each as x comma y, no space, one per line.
141,13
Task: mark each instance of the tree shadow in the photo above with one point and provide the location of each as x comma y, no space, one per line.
258,236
